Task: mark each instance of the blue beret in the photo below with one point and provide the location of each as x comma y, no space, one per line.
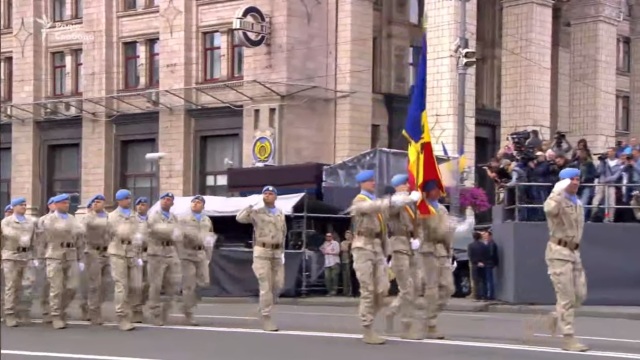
365,175
627,151
167,195
399,179
93,199
60,198
123,194
50,200
142,200
430,185
18,201
569,173
269,188
199,198
7,208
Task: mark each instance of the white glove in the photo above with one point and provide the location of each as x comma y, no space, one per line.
415,196
210,240
415,244
139,262
138,239
454,265
400,199
282,258
177,234
81,266
35,263
25,241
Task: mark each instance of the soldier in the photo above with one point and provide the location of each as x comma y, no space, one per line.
142,208
345,259
124,257
8,211
64,259
565,217
369,249
163,262
401,233
41,271
18,262
195,253
270,232
97,258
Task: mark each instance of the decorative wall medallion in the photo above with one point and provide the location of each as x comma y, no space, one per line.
22,35
169,14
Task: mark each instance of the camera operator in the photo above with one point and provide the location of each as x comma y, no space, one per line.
588,175
534,141
609,173
561,145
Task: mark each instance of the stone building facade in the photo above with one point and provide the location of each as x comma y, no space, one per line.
89,87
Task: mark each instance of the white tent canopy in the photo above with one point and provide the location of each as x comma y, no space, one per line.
230,206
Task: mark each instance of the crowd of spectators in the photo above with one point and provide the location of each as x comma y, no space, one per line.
525,170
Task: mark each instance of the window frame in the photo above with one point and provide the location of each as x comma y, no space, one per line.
147,5
152,56
413,63
233,45
623,113
6,180
55,69
420,20
7,91
56,7
7,14
201,176
623,54
126,61
210,51
77,68
123,175
50,168
78,9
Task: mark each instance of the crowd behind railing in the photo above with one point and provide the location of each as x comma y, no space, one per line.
525,170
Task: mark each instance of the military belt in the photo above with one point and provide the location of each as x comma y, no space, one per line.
408,234
566,244
125,242
100,248
269,246
23,249
198,248
68,245
167,243
370,235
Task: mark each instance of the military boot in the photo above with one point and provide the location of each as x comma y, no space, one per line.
46,319
369,336
188,318
268,324
85,315
95,317
11,321
432,333
388,320
137,317
158,321
570,343
25,317
409,332
124,324
58,323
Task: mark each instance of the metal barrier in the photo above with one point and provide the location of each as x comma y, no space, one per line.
518,192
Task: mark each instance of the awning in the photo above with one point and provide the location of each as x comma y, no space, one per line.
229,206
233,94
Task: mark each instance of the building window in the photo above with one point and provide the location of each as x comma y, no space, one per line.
59,10
7,15
78,8
137,174
375,136
5,177
624,54
218,153
140,4
63,164
416,10
131,63
622,113
154,61
78,71
375,65
7,78
414,60
237,56
212,56
59,73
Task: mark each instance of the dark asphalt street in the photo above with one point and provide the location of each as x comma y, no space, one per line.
231,332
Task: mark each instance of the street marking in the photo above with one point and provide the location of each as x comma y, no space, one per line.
68,356
333,315
358,336
219,317
595,338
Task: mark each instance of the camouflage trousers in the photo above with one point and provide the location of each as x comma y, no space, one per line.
143,295
63,277
269,270
127,281
94,281
194,274
19,278
164,273
570,285
438,285
409,280
371,271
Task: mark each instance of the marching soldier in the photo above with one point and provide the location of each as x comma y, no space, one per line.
18,263
64,259
142,208
345,259
565,217
8,211
270,232
97,258
163,262
401,233
369,249
195,253
41,271
124,257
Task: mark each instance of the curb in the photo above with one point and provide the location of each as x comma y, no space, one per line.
592,313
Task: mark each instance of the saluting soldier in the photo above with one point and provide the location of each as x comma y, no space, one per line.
18,255
565,217
195,253
369,249
142,208
270,231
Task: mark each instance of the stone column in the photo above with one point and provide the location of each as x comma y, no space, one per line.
635,71
594,25
98,82
28,73
176,38
526,66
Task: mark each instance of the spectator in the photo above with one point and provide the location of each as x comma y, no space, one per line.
559,163
539,174
610,173
534,141
490,263
475,251
517,192
331,251
588,175
561,145
582,145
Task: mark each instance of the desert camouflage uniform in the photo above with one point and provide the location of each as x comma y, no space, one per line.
143,295
97,263
41,271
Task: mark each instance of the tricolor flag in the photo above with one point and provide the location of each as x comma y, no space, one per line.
423,166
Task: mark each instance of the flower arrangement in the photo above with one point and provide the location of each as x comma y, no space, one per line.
475,198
